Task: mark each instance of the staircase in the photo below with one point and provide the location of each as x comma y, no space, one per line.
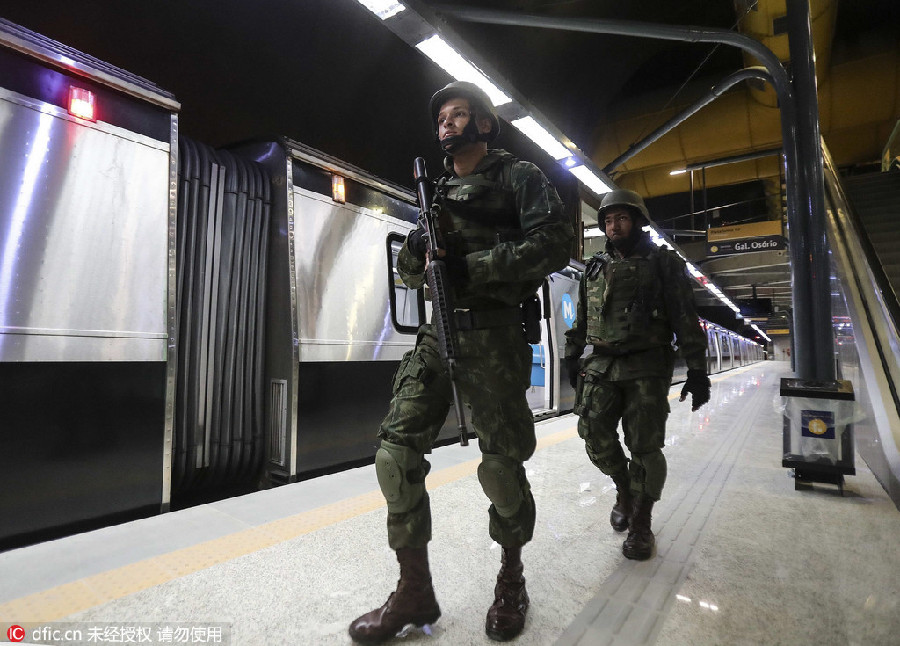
875,199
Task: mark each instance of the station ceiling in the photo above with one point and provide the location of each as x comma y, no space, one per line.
330,74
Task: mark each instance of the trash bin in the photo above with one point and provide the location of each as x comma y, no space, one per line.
818,430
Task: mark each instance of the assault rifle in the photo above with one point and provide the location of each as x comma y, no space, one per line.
437,276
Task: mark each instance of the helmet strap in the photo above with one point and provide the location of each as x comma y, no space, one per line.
451,145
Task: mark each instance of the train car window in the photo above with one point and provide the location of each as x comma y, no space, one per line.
407,305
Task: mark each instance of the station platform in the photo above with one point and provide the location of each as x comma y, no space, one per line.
742,557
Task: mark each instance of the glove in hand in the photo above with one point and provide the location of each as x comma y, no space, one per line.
573,368
416,242
698,386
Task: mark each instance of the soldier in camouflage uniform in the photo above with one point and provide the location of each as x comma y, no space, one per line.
503,229
634,299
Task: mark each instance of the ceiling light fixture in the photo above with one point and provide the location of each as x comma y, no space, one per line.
539,135
590,180
384,9
459,68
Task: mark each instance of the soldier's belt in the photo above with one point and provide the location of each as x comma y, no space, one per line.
609,350
481,319
605,349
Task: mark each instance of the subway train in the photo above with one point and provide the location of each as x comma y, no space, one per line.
180,323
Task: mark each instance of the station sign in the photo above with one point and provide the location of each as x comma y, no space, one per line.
745,238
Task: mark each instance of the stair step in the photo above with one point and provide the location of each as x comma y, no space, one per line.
879,218
877,178
888,258
881,231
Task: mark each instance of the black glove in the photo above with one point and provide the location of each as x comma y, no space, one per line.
416,242
698,386
573,368
457,268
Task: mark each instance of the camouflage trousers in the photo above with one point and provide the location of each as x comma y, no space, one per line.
642,405
492,376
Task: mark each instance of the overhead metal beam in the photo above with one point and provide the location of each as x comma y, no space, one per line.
751,73
734,159
744,262
762,279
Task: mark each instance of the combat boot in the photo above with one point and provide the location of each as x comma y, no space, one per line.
412,603
621,511
640,542
506,618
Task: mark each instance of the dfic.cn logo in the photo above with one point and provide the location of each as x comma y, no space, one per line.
15,633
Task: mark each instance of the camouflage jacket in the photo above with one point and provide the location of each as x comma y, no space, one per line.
631,309
508,222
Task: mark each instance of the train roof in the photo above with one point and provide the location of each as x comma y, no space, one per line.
63,57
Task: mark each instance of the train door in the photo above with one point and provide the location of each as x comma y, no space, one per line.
561,297
540,392
725,343
713,353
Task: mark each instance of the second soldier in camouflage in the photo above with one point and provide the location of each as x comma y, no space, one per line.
635,299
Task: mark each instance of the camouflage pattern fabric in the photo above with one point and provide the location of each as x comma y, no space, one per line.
508,223
631,310
645,302
643,406
493,376
501,273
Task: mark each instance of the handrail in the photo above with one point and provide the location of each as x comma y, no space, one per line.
890,308
882,282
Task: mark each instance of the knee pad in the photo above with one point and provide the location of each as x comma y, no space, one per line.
400,476
499,478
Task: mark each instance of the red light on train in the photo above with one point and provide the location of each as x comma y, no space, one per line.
81,103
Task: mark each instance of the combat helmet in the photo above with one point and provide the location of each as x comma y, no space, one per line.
626,198
479,102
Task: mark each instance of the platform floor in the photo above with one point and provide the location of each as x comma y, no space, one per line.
742,557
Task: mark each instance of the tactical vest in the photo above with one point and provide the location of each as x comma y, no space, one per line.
625,304
478,211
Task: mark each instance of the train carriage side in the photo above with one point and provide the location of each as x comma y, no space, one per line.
339,319
86,288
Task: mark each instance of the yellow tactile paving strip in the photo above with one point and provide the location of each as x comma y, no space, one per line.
64,600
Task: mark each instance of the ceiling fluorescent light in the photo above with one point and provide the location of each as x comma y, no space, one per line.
696,273
590,180
764,335
593,232
680,171
536,132
384,9
459,68
657,239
